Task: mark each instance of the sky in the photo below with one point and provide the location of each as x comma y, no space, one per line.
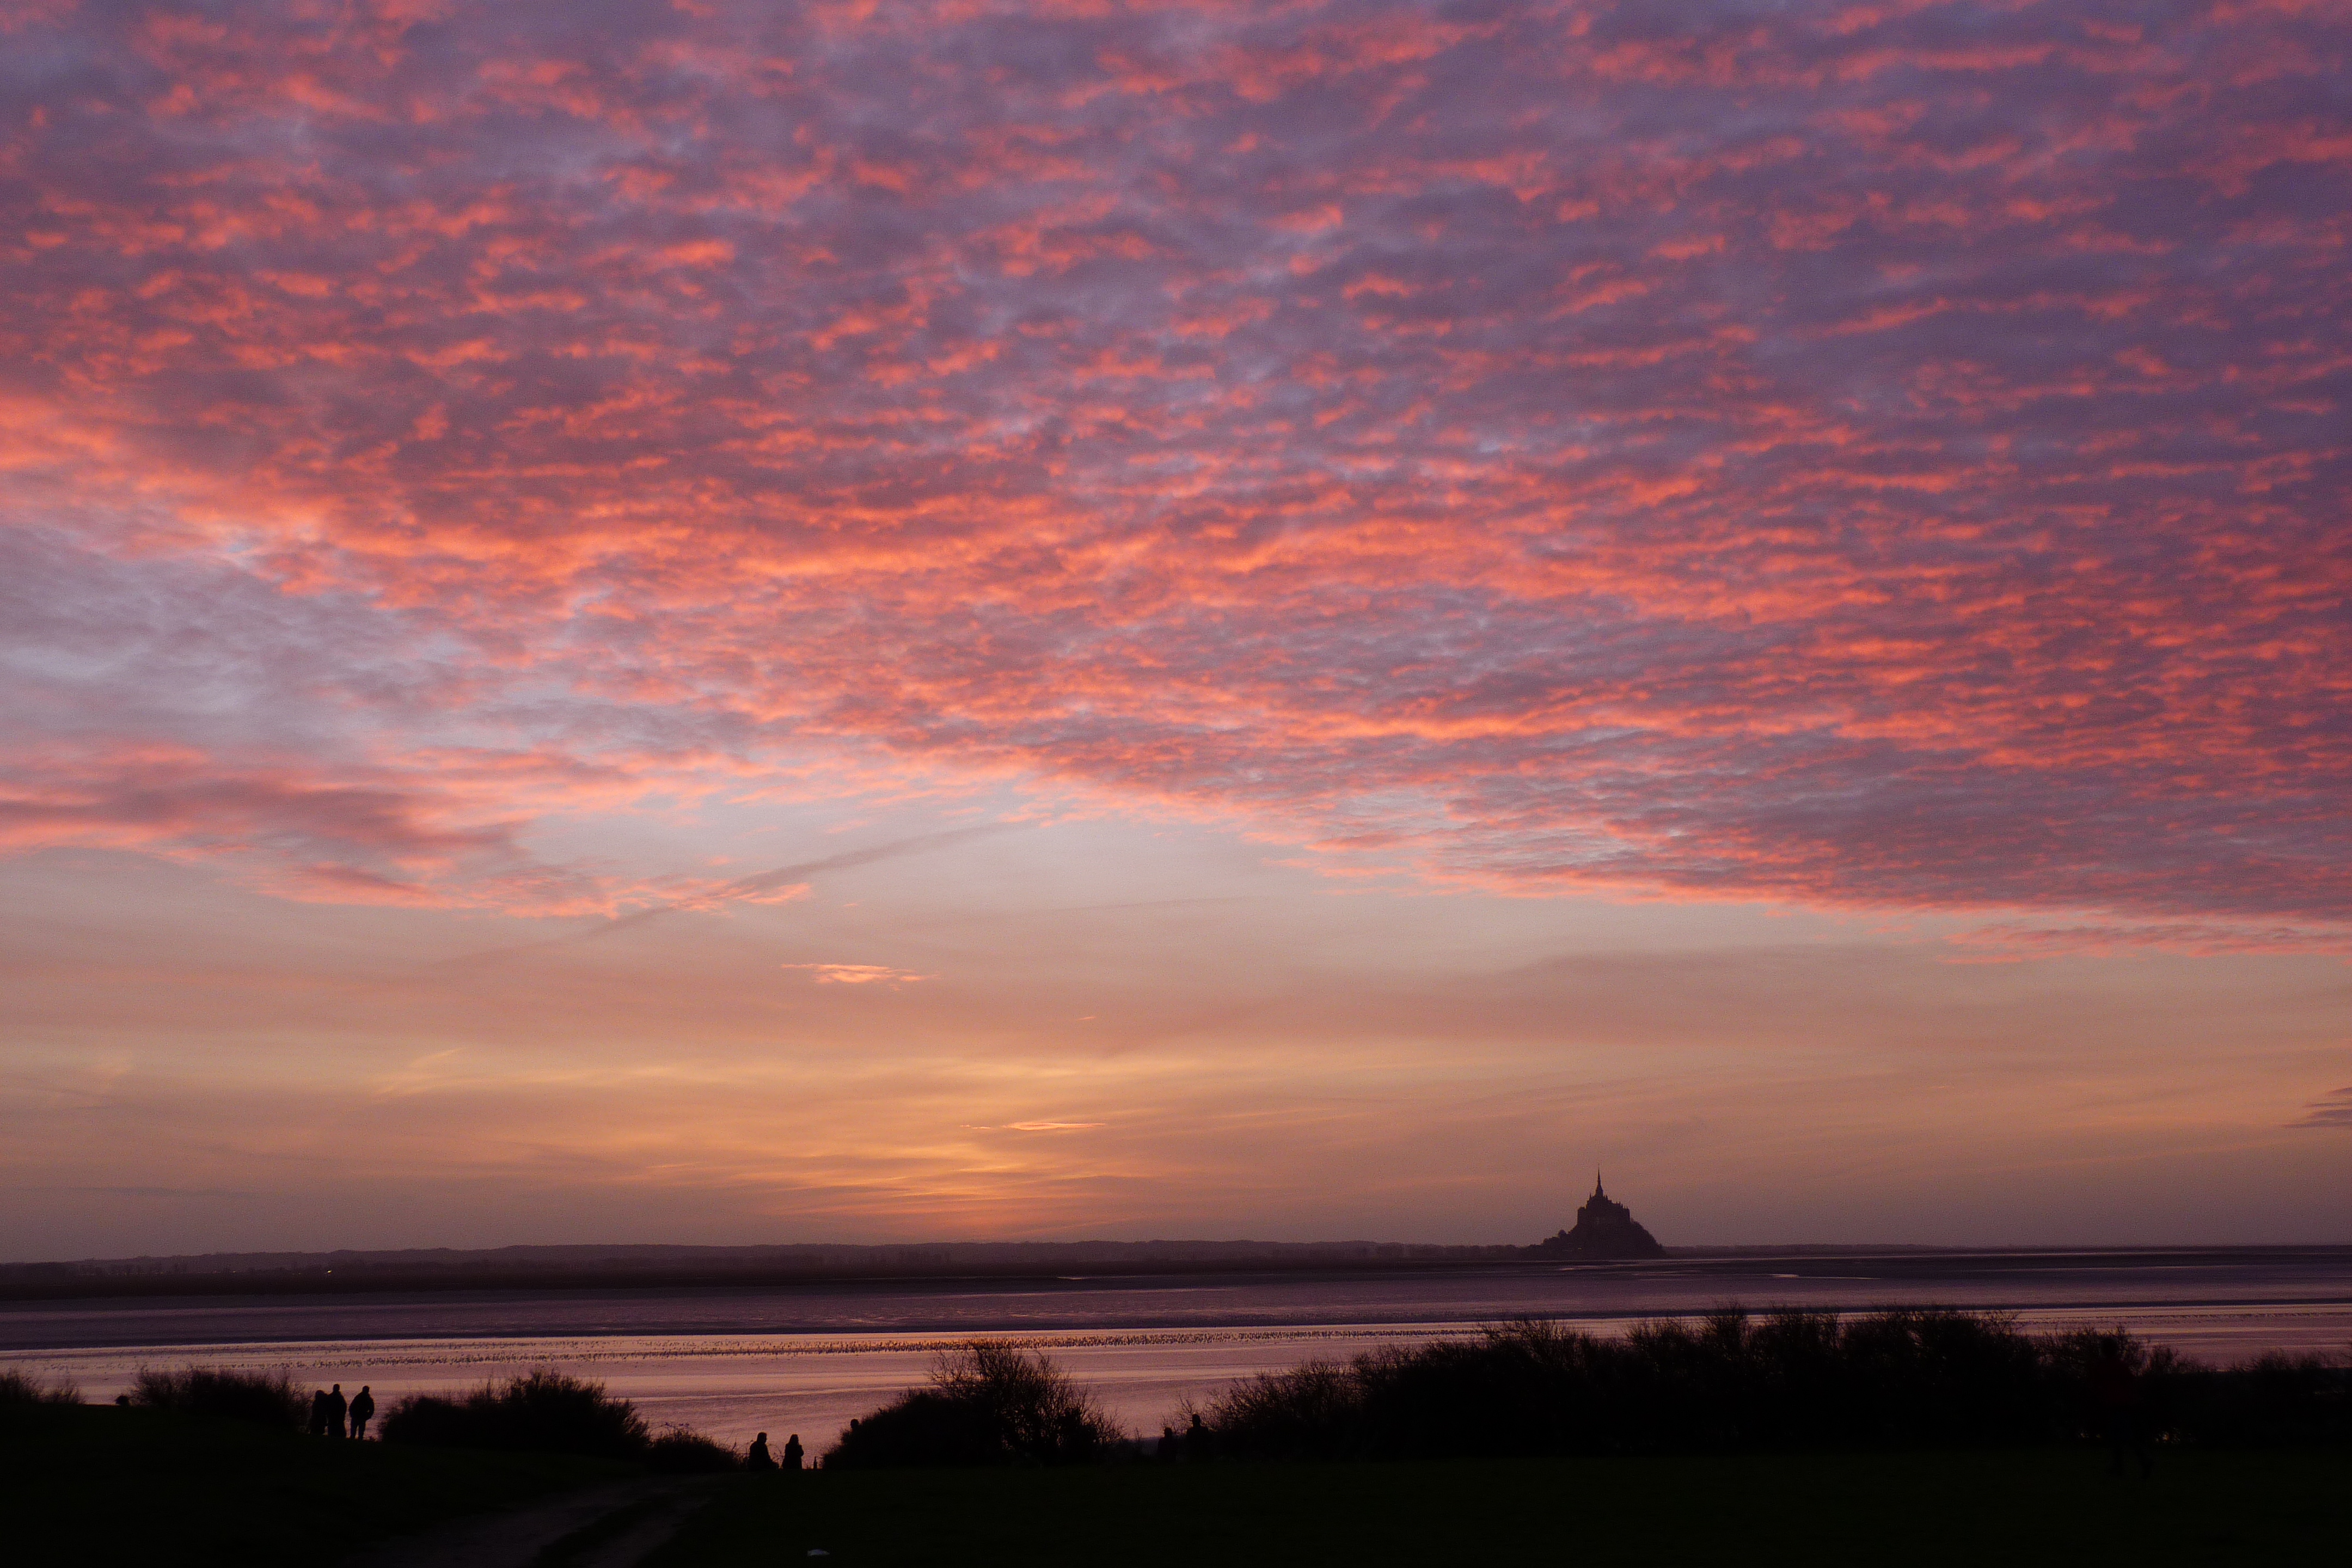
733,622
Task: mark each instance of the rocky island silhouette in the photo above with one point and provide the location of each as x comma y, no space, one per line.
1605,1229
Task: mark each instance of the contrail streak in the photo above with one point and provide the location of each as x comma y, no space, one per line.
759,882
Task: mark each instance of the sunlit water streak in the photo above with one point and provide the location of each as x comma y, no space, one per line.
732,1362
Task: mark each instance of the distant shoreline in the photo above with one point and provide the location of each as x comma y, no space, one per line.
654,1268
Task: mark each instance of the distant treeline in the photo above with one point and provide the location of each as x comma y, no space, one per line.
654,1267
673,1267
589,1267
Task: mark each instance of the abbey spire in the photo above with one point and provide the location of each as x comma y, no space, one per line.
1605,1229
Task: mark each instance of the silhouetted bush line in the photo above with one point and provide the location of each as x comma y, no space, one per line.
2274,1400
270,1399
541,1411
548,1412
23,1388
683,1451
988,1404
1788,1379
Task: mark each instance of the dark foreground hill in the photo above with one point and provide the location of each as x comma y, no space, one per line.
2021,1508
100,1487
96,1484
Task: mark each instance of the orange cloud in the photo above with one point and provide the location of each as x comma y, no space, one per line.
855,973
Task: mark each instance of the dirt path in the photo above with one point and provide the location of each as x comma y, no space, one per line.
609,1527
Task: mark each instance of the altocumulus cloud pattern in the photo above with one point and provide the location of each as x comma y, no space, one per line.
1872,455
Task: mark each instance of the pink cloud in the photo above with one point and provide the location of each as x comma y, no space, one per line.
1885,456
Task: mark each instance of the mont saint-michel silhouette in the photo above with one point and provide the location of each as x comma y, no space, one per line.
1605,1228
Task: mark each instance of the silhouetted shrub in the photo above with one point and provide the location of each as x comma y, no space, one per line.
1898,1377
680,1451
23,1388
543,1410
2273,1400
1316,1410
263,1398
988,1404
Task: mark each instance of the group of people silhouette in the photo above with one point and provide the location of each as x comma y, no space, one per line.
332,1417
758,1458
1195,1442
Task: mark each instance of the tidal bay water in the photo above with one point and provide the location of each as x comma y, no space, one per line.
732,1362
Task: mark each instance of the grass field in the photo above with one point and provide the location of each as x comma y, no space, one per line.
2003,1508
100,1485
94,1484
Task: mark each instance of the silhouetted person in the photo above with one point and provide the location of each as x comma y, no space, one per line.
1199,1441
2115,1402
362,1407
792,1452
757,1458
1167,1449
318,1427
336,1411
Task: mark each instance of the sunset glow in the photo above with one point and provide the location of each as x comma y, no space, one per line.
734,622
